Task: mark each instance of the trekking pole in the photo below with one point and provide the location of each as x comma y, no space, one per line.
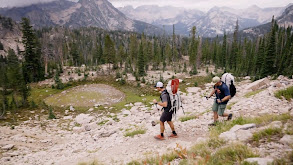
209,97
183,109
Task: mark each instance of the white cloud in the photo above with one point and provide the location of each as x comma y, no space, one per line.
198,4
204,4
16,3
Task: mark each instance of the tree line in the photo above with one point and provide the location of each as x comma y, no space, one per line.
271,54
49,49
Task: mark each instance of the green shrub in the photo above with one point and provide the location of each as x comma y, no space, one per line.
136,132
186,118
103,122
33,105
118,75
122,81
231,154
51,114
249,94
225,126
143,80
286,93
266,133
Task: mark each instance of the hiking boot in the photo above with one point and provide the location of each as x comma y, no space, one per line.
159,137
173,136
229,116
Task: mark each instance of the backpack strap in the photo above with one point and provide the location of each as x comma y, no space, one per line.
226,78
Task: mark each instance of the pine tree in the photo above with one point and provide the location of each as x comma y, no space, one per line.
224,52
110,52
1,46
285,58
14,74
234,52
121,55
192,48
269,60
4,85
133,48
101,59
33,69
75,55
260,57
173,46
141,71
24,88
168,53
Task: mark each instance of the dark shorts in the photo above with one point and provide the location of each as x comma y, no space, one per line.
166,116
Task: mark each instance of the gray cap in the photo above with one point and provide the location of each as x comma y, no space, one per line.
159,85
216,79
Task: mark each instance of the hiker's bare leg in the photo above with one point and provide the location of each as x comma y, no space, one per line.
225,115
171,125
162,127
216,116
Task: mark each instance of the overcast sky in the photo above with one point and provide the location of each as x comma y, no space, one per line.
198,4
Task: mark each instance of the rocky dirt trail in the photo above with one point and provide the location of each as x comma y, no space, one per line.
90,136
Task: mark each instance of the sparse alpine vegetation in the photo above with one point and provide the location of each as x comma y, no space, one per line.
286,93
186,118
135,132
267,135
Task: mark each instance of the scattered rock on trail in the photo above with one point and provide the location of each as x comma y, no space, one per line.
71,108
67,117
107,134
83,119
126,112
287,140
138,104
7,147
276,124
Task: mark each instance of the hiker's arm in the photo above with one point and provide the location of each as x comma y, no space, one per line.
163,104
212,93
226,98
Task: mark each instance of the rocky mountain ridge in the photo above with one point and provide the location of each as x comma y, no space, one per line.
84,13
10,35
209,24
284,20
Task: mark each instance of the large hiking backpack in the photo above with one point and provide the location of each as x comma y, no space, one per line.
174,94
228,79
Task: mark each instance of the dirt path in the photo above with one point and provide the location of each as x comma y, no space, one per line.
68,144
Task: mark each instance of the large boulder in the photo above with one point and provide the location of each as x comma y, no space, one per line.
259,84
83,119
243,135
238,132
276,124
287,139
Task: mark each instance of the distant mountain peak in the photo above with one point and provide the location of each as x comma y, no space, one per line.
84,13
210,23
